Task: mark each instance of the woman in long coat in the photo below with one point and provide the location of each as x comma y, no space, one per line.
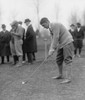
5,38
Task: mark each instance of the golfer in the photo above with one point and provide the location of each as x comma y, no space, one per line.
62,42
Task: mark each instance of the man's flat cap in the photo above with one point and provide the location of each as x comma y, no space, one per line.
14,23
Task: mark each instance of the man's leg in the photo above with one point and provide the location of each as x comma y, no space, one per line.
79,52
30,58
24,57
19,52
67,51
33,56
59,60
2,60
80,44
60,67
19,64
75,51
15,60
7,57
68,75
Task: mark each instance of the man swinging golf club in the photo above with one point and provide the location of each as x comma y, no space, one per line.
61,40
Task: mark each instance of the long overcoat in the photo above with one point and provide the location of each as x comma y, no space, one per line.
30,44
78,38
16,41
5,38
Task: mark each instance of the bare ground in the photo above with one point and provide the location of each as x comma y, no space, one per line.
41,86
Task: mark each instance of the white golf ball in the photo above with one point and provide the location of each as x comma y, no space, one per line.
23,82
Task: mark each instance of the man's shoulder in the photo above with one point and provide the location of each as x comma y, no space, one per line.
56,25
30,26
7,31
1,31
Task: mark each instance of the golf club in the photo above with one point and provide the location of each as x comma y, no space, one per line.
25,82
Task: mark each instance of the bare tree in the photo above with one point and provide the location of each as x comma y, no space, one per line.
37,8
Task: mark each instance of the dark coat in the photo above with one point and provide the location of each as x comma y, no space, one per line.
23,38
72,33
5,43
30,44
78,38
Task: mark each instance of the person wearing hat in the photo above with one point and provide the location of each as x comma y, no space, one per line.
16,43
5,38
62,43
30,41
79,36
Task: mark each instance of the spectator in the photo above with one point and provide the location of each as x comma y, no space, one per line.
79,36
30,41
5,38
16,43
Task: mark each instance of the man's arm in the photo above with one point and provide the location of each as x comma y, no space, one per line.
55,40
19,32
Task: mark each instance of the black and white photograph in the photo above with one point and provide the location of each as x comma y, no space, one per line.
42,49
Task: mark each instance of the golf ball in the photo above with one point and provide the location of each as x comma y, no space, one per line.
23,82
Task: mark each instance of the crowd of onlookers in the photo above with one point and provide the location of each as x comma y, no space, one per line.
20,43
78,35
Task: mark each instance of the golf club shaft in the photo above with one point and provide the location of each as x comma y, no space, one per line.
36,69
25,82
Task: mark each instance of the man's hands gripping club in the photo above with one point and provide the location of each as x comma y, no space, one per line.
51,51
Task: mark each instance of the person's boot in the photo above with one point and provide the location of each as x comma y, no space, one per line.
68,74
7,58
16,58
15,61
19,64
33,56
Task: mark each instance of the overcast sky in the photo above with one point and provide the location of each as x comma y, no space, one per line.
55,10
